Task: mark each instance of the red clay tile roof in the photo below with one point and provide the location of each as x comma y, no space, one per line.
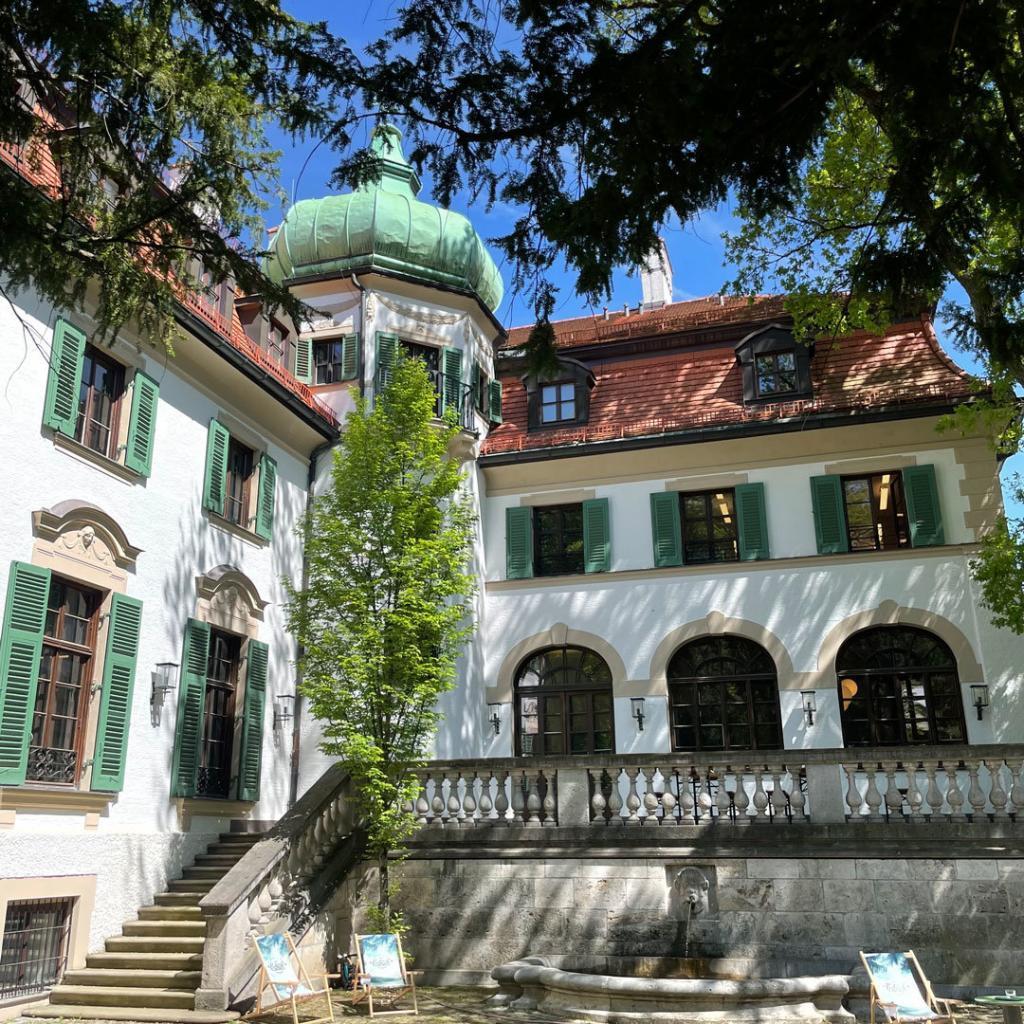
36,165
714,310
688,388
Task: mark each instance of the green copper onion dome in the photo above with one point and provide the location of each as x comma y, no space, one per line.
382,224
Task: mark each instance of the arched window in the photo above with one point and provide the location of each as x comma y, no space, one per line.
564,703
724,695
897,685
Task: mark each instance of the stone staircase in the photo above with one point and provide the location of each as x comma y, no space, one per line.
150,972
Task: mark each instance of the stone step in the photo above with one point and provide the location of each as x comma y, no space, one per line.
123,995
168,960
228,849
156,1015
217,860
246,838
164,928
155,944
188,912
200,886
177,899
205,871
112,977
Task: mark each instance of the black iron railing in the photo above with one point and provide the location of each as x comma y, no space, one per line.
51,764
452,392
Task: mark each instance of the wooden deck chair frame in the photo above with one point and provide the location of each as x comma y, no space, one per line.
363,990
292,999
937,1005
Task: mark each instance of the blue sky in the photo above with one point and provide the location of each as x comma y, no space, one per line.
696,249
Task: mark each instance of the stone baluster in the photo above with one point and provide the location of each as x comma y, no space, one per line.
684,780
853,798
614,798
518,797
669,803
704,799
651,800
276,890
455,814
533,804
914,797
723,799
469,801
933,793
549,805
632,797
598,804
797,800
872,796
1016,790
778,797
422,803
997,795
741,801
319,834
975,794
486,803
893,796
954,796
437,803
254,914
760,796
265,902
501,799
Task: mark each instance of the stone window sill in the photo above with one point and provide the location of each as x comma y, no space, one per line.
86,454
46,800
233,528
190,807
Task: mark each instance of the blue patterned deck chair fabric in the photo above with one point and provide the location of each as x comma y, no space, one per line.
281,972
900,990
382,974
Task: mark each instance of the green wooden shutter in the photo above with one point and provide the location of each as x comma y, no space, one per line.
494,389
518,543
265,501
474,385
21,645
451,387
251,754
188,736
829,515
67,353
752,521
597,537
387,356
350,357
216,467
304,360
138,453
666,529
924,512
116,694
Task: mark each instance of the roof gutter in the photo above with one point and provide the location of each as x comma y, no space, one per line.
722,432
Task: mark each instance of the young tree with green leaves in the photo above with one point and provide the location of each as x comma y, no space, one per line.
384,612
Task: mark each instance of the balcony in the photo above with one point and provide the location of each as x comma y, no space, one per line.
451,392
966,785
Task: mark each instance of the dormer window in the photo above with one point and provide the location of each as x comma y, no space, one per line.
775,366
558,402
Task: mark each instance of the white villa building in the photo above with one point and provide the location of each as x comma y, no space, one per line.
699,540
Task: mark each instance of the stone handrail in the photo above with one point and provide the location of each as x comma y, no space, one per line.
270,888
953,783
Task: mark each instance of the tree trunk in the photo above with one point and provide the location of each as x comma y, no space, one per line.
384,895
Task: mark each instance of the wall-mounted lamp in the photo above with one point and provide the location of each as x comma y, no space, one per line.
493,718
637,708
163,677
809,703
283,710
979,698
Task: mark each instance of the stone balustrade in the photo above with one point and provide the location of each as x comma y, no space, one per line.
963,784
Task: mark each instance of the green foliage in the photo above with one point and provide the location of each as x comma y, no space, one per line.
999,569
384,613
154,112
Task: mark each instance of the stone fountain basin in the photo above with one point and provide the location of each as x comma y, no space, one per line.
532,984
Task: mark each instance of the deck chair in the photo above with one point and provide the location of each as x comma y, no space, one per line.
901,991
382,974
281,971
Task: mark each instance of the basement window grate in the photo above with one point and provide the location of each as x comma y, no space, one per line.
34,951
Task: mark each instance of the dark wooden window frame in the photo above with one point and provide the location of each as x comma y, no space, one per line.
775,372
214,775
774,338
709,519
570,371
238,486
87,403
900,682
45,767
559,565
279,351
332,366
747,679
31,963
571,683
898,516
565,408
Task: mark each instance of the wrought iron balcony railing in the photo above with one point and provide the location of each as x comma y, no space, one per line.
452,393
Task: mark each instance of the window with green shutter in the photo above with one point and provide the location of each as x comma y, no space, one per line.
387,355
138,453
665,529
67,354
753,521
350,357
265,498
518,543
495,396
124,625
597,539
924,511
829,515
304,360
21,644
451,386
191,706
251,753
216,467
